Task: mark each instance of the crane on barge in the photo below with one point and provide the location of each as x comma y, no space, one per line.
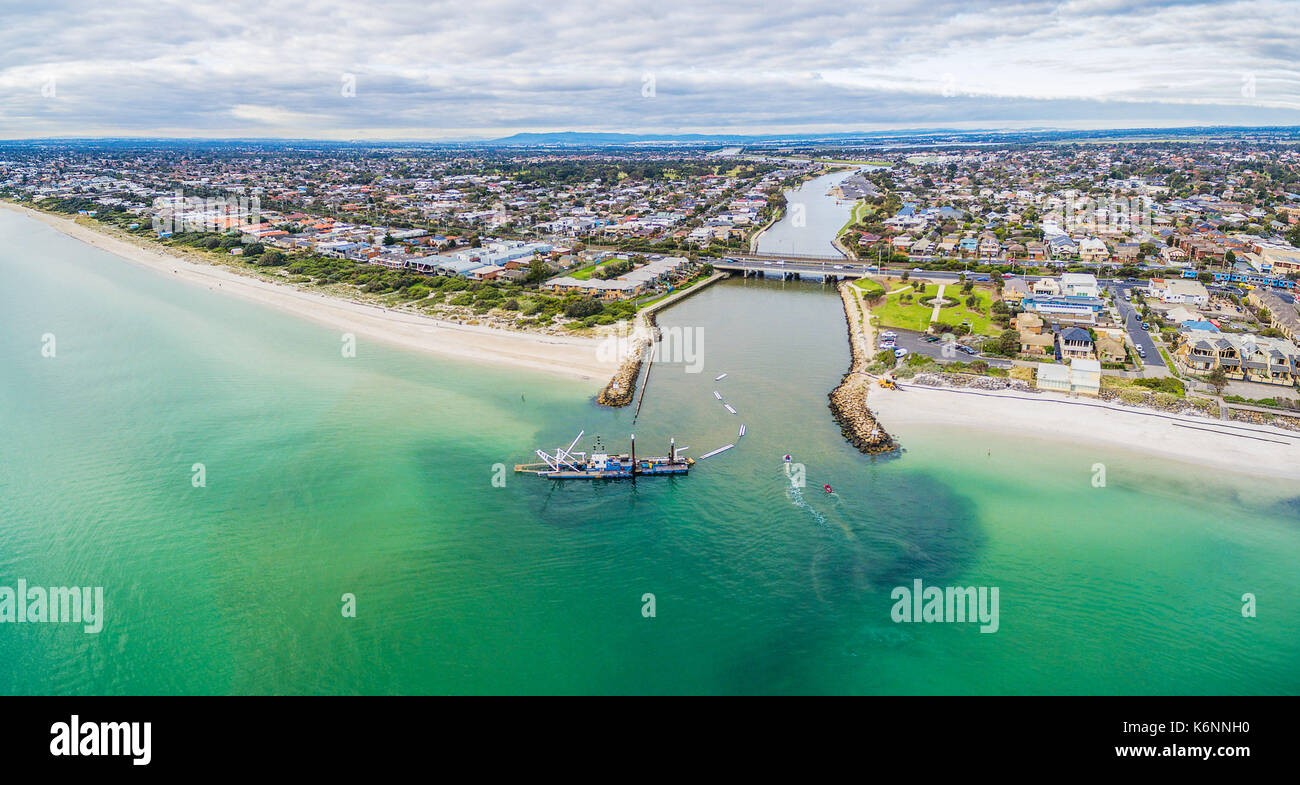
569,464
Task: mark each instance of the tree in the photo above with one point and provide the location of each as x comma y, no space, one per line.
537,270
389,239
1009,343
1218,379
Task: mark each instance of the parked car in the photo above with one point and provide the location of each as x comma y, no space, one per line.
889,334
930,338
1142,353
968,350
900,352
1146,326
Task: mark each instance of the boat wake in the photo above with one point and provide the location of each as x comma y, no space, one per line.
795,495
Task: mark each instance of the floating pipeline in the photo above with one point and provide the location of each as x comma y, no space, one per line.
848,401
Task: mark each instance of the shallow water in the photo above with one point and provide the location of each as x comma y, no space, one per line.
374,476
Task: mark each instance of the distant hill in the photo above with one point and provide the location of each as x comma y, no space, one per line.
583,139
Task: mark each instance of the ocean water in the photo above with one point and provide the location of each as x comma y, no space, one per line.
373,476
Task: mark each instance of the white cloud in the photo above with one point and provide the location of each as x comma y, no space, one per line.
450,69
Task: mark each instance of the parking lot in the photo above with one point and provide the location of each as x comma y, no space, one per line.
911,341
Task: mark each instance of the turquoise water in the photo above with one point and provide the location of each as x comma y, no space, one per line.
373,475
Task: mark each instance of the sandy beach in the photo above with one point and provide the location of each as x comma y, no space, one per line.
1231,446
564,355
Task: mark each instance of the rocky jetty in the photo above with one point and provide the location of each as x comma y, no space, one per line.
848,401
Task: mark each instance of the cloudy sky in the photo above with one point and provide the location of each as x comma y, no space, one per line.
449,70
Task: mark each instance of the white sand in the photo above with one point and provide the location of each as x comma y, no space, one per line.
566,355
1271,452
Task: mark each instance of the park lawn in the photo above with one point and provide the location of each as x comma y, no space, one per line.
893,312
861,209
585,273
868,286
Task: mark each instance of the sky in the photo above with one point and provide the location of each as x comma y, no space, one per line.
466,70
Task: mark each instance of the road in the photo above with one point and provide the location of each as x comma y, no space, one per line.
1133,324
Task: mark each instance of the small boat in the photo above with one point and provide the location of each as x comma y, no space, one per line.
786,458
727,406
742,431
717,395
719,378
827,488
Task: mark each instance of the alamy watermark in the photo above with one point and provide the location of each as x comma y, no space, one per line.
1104,214
181,213
951,604
53,605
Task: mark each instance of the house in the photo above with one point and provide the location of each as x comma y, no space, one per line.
1053,378
1241,356
1173,255
1014,290
1076,343
1034,338
1079,285
1179,290
1085,377
1049,286
1075,309
1093,250
1282,314
1110,349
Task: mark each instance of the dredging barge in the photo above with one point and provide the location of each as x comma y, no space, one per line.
568,464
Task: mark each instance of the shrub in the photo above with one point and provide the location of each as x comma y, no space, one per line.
587,306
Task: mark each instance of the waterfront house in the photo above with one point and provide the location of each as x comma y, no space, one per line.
1085,377
1244,357
1035,339
1076,343
1110,349
1053,378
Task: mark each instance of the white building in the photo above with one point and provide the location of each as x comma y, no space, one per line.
1079,285
1179,290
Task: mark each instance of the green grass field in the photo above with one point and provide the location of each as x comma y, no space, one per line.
869,286
585,273
894,312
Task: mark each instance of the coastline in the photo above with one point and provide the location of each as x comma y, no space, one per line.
1230,446
848,401
570,356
